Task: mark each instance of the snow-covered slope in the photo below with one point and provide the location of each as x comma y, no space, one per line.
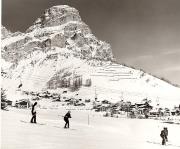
59,45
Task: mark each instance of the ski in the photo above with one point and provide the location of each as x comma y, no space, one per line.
32,123
159,143
64,128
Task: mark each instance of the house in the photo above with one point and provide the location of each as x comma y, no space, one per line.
79,104
36,98
67,100
176,110
105,102
87,100
167,112
124,106
101,107
56,100
158,112
56,97
23,103
141,109
154,113
64,92
3,105
9,102
45,95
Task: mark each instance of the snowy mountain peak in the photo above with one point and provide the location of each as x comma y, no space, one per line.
55,16
59,51
58,26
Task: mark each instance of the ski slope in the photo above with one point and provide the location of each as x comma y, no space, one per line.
100,133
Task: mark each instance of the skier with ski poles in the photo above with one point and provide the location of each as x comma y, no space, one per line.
33,112
164,136
66,119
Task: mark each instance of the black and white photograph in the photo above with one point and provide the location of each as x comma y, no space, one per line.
90,74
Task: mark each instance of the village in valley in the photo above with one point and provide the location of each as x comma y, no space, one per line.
89,117
106,108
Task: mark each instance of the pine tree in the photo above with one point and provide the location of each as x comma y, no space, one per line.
62,83
65,82
75,86
3,99
3,95
81,80
68,82
88,83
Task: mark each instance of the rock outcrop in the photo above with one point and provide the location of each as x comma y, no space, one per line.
59,26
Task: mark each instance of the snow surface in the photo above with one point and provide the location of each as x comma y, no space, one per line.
100,133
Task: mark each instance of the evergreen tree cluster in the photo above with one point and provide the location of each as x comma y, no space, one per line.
3,95
72,83
3,99
76,84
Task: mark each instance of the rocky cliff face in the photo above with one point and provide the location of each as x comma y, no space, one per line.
55,16
59,26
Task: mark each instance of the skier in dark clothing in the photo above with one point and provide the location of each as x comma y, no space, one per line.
66,119
33,111
20,85
164,136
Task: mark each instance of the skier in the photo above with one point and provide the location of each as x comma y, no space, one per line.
33,111
66,119
20,85
163,136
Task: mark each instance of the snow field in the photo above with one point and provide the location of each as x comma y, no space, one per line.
100,133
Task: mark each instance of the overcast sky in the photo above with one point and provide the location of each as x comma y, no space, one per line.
142,33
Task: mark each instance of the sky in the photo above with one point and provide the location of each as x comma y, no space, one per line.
142,33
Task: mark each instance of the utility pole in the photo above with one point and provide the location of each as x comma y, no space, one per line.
88,119
95,94
157,106
122,96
